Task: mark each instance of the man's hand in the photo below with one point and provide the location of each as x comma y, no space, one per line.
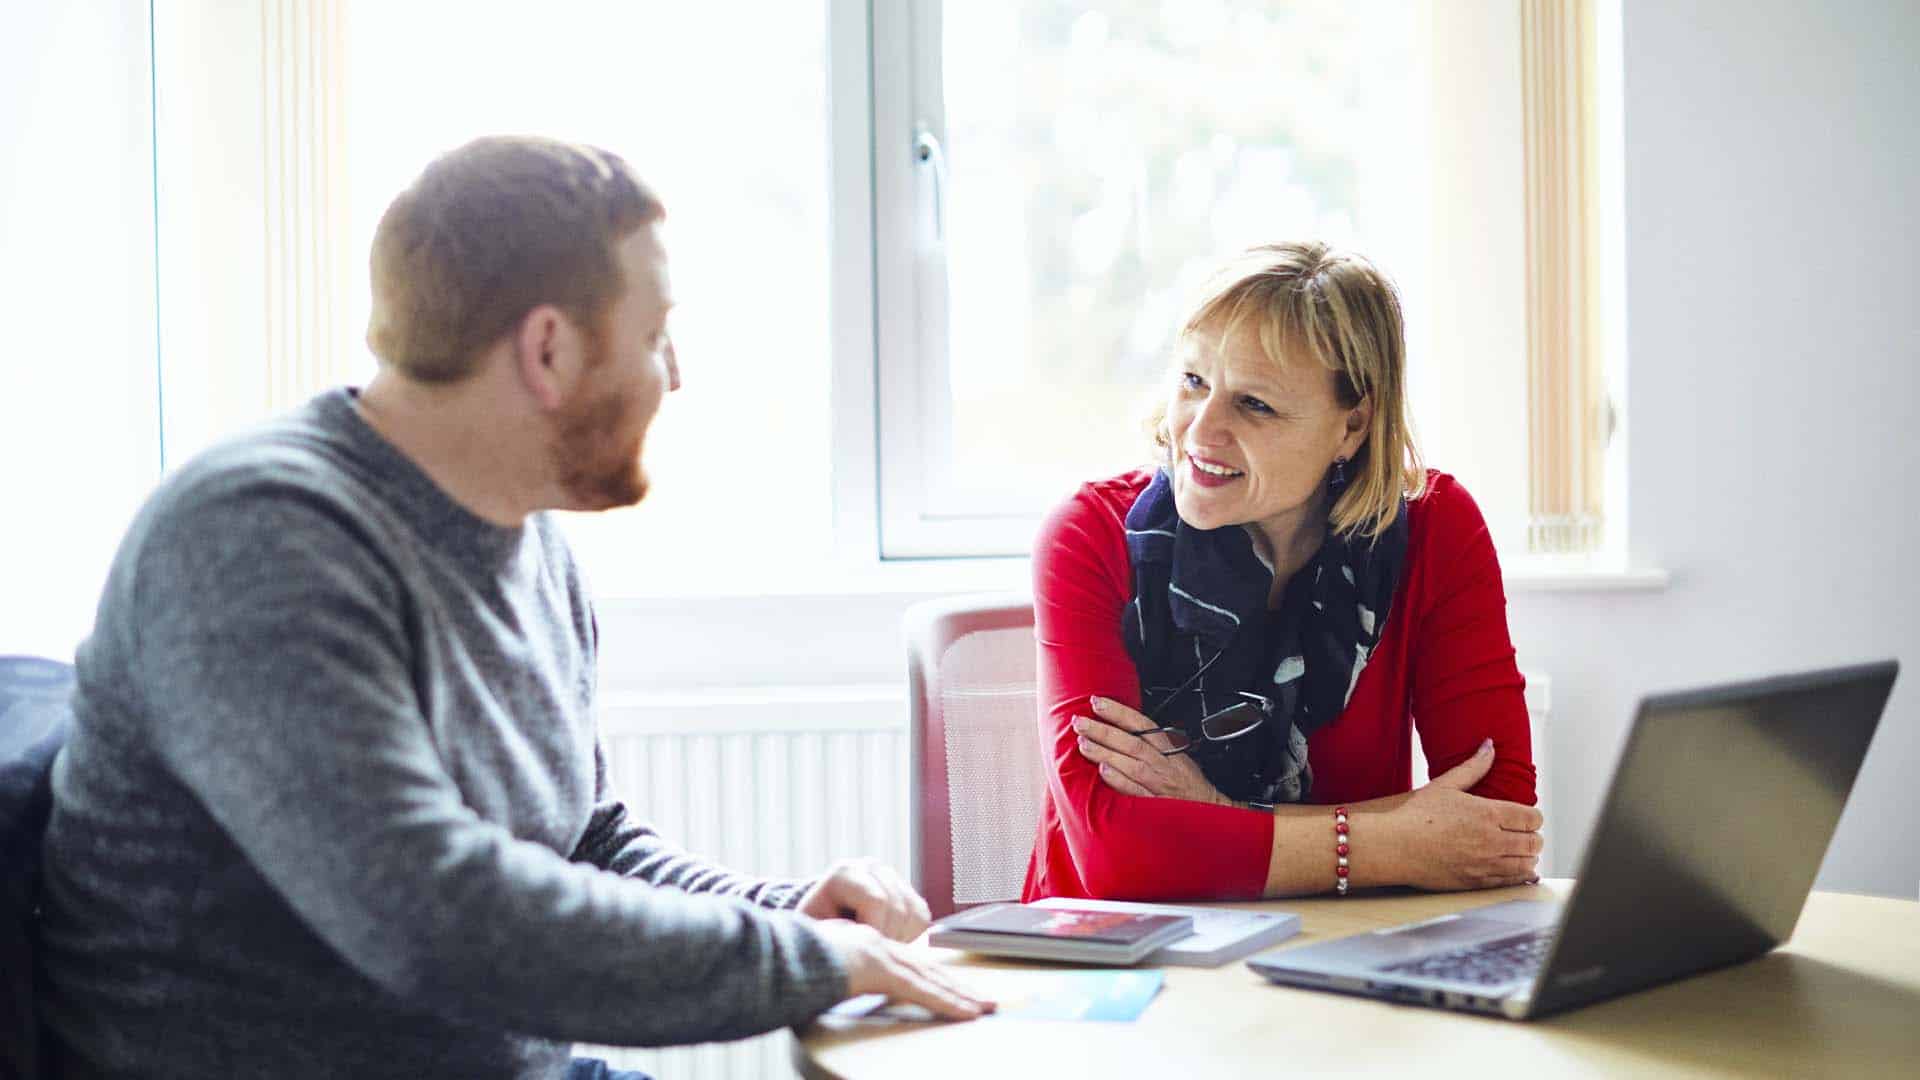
1132,763
869,892
878,966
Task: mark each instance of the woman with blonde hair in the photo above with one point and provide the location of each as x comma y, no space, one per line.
1237,644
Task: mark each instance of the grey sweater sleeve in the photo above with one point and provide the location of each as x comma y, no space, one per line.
615,841
273,650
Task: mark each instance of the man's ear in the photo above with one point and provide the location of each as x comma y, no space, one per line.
1359,423
544,355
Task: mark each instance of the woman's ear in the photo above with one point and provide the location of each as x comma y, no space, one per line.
1156,430
1359,423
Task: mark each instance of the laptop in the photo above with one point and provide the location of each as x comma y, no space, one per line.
1720,811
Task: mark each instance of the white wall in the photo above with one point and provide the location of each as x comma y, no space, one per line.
1772,269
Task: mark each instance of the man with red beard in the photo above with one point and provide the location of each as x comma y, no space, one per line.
334,803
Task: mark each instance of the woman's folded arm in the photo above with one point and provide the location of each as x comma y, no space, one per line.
1122,846
1466,685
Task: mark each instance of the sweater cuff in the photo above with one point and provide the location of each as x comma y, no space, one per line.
785,895
824,979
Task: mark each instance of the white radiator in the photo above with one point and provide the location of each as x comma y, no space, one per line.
774,782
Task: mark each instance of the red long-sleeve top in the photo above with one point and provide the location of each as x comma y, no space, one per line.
1444,662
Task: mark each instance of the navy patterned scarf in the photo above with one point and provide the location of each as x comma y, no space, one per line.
1200,598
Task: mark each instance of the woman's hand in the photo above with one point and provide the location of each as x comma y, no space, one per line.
1134,764
1450,840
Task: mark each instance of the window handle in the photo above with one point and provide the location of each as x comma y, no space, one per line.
927,152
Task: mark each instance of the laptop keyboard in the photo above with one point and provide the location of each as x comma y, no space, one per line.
1490,963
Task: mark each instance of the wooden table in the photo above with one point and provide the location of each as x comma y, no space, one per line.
1841,998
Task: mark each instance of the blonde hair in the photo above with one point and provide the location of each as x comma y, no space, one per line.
1304,297
487,233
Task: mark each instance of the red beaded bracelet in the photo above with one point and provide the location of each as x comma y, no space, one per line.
1340,850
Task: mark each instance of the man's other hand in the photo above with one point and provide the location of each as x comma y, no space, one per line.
868,892
878,966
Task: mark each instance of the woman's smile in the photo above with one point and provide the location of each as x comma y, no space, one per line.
1211,474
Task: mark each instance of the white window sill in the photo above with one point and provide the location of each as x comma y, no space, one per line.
913,578
830,628
901,577
1531,577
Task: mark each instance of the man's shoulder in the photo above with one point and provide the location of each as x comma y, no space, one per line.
299,456
283,487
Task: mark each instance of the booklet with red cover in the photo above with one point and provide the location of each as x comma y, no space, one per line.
1220,934
1059,933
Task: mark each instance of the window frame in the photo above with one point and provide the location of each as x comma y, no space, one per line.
877,91
916,517
854,315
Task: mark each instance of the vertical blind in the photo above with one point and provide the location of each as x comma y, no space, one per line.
1568,417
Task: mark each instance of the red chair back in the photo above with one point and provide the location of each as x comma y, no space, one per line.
976,777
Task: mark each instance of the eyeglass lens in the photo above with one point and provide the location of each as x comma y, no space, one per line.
1232,722
1229,723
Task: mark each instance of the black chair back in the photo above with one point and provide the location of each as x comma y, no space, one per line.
35,717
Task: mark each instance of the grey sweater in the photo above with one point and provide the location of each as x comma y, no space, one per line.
334,804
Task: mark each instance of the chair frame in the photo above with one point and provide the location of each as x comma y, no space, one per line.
43,689
932,627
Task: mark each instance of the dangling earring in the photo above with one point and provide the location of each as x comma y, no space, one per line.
1337,482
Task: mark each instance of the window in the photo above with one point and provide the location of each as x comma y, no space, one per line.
1052,179
1071,173
928,256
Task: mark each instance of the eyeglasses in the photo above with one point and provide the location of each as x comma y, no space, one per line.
1224,726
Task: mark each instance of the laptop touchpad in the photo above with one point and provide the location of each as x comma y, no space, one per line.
1531,914
1420,939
